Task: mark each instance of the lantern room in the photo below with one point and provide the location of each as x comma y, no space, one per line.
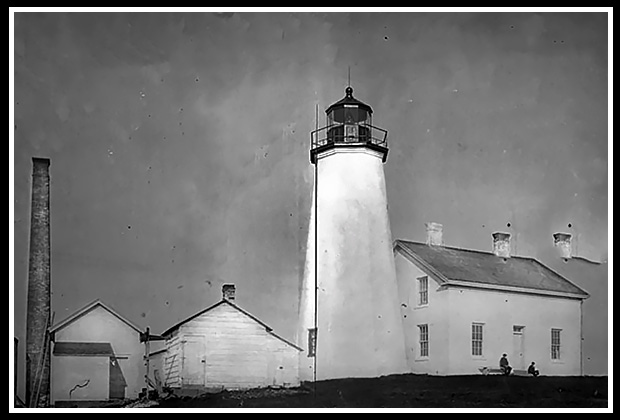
349,124
348,119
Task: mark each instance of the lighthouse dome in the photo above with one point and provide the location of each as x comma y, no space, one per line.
349,100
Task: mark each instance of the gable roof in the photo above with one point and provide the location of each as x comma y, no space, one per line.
88,308
470,268
246,313
66,348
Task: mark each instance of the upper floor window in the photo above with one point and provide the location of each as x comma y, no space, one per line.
423,290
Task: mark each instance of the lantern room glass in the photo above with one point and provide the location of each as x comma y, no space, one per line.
348,124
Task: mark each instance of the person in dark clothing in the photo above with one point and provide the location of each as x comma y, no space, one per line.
504,365
532,370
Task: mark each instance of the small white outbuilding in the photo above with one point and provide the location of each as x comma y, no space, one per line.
224,346
96,356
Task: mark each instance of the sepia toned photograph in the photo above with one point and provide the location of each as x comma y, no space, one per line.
310,210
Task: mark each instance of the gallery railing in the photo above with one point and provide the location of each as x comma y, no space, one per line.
348,133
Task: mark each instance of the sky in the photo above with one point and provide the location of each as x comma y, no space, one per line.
179,144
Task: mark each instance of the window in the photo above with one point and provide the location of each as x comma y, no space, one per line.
423,340
517,329
555,344
476,339
423,290
311,342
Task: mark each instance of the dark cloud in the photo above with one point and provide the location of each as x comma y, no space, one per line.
193,130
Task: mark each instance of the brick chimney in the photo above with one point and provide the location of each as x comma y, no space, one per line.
562,241
228,292
39,289
434,234
501,244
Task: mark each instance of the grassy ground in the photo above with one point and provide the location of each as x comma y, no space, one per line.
417,391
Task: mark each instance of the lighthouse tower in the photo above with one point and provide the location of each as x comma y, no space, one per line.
350,322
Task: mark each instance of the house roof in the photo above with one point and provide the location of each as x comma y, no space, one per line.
246,313
86,309
65,348
588,274
471,268
156,352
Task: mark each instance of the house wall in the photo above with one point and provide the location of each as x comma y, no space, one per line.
499,311
87,376
99,325
413,314
238,353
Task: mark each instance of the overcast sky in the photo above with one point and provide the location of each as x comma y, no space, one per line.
179,143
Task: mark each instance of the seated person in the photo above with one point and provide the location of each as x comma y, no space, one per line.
504,365
532,370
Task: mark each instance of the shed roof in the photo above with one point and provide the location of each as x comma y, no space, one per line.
86,309
246,313
66,348
466,267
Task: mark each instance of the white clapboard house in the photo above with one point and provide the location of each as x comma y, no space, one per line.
224,347
462,309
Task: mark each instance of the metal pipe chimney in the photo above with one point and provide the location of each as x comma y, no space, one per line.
39,289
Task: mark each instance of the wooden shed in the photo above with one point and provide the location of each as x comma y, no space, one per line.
225,347
96,356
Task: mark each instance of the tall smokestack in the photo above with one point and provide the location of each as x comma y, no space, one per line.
39,289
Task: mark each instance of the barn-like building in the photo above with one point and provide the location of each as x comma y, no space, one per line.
224,347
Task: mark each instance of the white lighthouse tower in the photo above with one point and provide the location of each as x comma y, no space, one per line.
350,322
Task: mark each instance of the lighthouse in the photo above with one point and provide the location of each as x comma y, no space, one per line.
349,323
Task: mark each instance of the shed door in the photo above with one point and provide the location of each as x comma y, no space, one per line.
194,360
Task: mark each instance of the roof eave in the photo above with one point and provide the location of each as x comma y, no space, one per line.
359,104
178,324
563,277
268,329
84,310
514,289
296,347
419,262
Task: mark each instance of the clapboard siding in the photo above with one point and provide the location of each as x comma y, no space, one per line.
172,362
239,352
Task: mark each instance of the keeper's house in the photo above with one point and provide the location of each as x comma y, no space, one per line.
462,309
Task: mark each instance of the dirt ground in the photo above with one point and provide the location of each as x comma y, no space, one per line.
410,391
